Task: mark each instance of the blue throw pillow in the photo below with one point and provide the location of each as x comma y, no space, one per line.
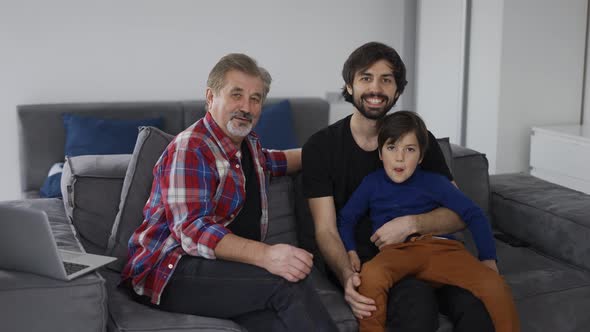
275,127
91,136
51,187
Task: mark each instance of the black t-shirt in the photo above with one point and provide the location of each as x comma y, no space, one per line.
247,222
334,165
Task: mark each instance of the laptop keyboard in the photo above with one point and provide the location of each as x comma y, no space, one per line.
73,267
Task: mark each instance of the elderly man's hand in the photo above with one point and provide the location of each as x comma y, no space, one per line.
289,262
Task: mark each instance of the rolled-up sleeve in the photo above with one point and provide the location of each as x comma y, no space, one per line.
275,162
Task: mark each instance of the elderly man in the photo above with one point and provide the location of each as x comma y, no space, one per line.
199,249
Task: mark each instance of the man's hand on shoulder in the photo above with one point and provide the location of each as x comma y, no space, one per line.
394,231
287,261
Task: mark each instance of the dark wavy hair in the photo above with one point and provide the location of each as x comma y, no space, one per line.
364,57
395,125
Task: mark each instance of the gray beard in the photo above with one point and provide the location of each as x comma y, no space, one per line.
238,131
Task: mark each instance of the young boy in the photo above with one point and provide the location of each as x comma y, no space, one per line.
401,189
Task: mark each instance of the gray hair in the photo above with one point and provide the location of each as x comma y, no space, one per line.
239,62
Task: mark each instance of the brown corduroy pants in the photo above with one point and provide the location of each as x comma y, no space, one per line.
440,262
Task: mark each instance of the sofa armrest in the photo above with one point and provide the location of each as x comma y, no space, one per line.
470,169
553,219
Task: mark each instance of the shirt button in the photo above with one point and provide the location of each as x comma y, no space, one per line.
237,165
170,266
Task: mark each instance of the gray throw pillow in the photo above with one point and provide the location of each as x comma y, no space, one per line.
91,187
151,142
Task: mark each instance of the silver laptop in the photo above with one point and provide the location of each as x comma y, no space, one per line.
27,245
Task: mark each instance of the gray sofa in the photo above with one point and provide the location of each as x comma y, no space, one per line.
552,289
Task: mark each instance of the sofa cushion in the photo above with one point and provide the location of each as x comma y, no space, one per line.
137,185
35,303
552,218
275,127
127,315
549,295
88,135
91,187
281,213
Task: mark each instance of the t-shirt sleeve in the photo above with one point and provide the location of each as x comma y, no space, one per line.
316,164
434,159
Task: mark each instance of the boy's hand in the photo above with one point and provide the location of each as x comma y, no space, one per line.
355,261
491,263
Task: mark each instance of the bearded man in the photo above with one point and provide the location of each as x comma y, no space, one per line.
335,161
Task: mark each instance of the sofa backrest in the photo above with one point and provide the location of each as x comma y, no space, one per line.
309,114
42,134
470,169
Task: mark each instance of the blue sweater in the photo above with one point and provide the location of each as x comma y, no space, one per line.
421,193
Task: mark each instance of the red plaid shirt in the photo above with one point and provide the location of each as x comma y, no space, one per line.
197,191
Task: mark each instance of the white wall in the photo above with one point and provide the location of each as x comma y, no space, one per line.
525,68
78,51
483,93
408,54
541,74
585,117
439,66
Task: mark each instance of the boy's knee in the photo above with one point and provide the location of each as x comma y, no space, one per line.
376,276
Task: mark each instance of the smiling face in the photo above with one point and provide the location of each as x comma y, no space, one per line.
401,158
237,106
374,90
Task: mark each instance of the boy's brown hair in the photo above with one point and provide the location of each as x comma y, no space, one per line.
395,125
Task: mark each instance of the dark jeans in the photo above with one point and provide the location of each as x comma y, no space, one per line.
249,295
465,310
414,306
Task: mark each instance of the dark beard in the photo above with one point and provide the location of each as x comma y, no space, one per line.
372,115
